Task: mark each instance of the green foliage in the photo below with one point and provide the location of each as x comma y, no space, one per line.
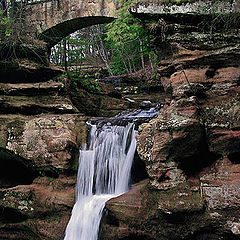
128,40
5,29
74,51
123,29
80,81
123,46
90,85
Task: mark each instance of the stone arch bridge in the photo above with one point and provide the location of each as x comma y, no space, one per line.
52,20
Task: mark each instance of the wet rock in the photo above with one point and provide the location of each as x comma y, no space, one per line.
146,104
144,214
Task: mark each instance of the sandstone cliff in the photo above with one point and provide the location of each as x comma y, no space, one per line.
192,149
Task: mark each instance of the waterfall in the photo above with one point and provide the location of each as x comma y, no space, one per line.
103,173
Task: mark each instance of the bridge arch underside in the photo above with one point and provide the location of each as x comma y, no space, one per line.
56,33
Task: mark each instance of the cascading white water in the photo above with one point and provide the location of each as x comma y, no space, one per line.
103,173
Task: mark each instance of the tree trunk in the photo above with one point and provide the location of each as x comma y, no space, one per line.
102,51
151,62
141,52
65,54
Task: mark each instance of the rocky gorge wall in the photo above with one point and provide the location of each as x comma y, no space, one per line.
192,149
41,131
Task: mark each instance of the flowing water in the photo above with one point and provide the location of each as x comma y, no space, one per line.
103,173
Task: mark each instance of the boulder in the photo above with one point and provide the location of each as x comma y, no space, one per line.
145,214
37,211
51,142
171,144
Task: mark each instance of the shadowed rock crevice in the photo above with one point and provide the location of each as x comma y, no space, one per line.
16,232
201,159
15,170
9,215
211,72
138,172
16,72
192,166
48,171
234,157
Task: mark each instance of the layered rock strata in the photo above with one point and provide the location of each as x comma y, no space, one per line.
191,150
40,134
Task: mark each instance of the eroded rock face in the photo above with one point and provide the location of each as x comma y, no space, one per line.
50,141
40,134
171,141
33,206
191,150
37,211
